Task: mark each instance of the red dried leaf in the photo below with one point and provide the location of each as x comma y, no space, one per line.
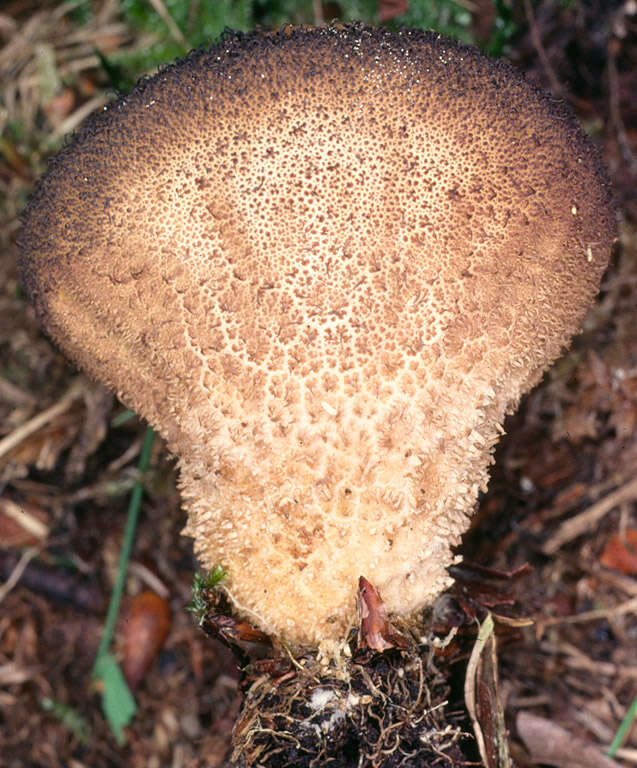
620,553
375,631
235,634
390,9
60,106
145,627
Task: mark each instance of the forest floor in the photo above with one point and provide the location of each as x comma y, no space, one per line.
562,498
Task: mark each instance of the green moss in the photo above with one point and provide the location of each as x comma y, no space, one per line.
201,586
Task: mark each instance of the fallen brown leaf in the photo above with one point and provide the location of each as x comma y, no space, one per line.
620,553
390,9
145,627
551,744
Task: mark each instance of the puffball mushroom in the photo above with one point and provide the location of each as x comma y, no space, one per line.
325,264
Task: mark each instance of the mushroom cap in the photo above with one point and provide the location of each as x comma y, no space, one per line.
324,263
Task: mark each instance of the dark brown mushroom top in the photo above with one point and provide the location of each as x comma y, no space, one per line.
325,263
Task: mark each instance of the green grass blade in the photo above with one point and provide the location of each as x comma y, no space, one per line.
117,700
623,729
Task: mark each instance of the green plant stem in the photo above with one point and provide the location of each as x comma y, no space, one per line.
623,729
127,545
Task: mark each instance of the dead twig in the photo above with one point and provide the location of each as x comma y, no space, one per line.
17,572
577,659
31,426
14,395
27,521
630,606
579,524
556,86
615,112
317,9
78,116
168,20
628,755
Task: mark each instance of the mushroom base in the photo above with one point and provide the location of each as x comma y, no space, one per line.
295,519
387,711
